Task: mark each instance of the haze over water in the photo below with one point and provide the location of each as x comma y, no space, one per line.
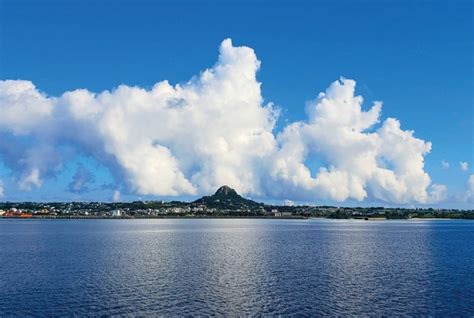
228,266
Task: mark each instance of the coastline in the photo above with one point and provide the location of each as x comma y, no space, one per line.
295,217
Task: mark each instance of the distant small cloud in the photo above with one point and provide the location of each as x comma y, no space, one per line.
288,203
445,164
116,196
464,165
2,190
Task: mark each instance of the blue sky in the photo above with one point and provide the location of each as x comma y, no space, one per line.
415,56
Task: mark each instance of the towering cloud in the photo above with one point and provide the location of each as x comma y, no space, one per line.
359,158
216,129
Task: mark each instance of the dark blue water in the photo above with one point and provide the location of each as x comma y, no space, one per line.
236,267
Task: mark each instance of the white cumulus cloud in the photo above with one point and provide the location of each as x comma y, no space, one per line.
22,106
464,165
445,164
170,140
361,159
185,139
216,129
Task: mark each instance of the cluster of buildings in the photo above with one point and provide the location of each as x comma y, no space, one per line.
18,213
212,208
130,210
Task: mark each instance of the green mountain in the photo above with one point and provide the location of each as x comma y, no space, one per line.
227,198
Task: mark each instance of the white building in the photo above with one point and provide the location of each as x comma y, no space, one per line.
281,213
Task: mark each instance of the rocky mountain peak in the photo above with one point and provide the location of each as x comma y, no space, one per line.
225,191
226,197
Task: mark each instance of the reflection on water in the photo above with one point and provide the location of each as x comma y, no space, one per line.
374,264
222,266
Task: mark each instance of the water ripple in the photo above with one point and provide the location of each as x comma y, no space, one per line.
236,267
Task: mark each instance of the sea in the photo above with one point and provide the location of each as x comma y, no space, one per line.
236,267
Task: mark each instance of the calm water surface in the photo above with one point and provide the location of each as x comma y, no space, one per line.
236,267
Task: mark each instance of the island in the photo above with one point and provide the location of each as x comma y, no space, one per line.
224,203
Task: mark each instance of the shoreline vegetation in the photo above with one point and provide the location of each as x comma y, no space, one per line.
224,204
